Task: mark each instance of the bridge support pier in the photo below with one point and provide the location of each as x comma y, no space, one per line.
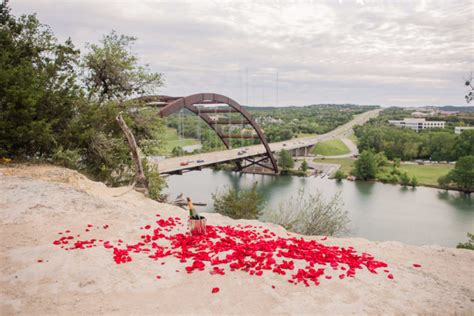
301,151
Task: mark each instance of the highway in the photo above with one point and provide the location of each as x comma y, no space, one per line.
174,164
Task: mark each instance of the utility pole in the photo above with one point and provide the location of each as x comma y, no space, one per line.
276,89
246,86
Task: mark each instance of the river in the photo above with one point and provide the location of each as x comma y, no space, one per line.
378,212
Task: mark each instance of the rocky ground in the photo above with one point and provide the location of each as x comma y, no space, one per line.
38,277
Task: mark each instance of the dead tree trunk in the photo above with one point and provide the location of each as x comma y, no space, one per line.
141,182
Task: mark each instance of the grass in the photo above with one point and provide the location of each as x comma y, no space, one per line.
353,138
172,140
426,174
346,164
333,147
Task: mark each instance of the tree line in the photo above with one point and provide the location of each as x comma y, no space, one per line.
406,144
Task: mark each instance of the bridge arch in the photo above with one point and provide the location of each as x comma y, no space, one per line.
170,105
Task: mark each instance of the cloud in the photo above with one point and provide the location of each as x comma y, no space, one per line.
366,52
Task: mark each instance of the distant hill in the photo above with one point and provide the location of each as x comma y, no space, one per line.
452,108
347,105
448,108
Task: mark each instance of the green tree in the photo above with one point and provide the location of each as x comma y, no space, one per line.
396,163
112,70
465,144
38,88
111,73
246,204
381,160
365,167
304,166
442,145
286,161
463,174
95,133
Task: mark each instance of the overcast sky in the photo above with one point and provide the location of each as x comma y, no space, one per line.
404,53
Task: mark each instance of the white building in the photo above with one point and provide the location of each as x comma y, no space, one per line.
268,120
460,129
419,114
417,124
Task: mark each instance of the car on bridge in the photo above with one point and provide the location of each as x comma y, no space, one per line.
184,163
200,161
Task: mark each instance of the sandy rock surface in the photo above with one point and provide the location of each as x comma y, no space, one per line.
37,202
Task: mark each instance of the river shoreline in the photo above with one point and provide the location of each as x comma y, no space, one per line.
377,211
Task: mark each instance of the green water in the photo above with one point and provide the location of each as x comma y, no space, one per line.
379,212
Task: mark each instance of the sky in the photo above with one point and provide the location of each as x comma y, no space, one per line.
267,53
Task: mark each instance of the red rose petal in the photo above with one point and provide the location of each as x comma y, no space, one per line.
236,248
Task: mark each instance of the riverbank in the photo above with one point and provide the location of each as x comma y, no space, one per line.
37,277
426,174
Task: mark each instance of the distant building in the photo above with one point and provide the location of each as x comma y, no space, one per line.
460,129
214,118
268,120
417,124
419,114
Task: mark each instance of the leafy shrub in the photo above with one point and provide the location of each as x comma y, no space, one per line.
156,183
404,179
67,158
178,151
444,182
388,178
310,215
247,204
339,175
469,244
414,182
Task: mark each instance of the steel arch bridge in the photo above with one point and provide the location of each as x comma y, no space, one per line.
200,104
